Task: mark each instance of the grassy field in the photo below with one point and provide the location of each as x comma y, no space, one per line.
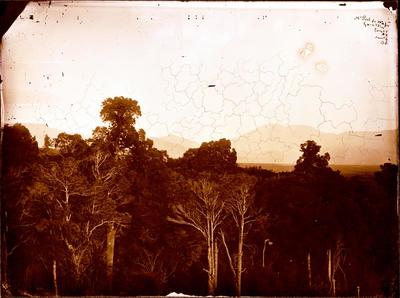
346,170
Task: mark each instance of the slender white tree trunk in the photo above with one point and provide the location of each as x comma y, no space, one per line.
239,267
212,256
215,265
329,253
329,265
55,278
110,254
4,261
263,253
210,268
334,287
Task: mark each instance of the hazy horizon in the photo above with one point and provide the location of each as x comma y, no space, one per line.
192,140
258,146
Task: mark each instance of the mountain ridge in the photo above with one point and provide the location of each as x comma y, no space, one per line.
276,143
281,144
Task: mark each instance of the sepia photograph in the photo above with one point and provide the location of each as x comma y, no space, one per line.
199,148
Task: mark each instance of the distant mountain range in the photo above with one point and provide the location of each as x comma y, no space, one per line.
280,144
174,145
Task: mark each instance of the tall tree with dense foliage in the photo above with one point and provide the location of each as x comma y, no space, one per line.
120,113
311,160
131,161
19,151
213,156
111,146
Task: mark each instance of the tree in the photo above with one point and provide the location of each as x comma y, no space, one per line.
19,152
121,114
72,207
311,161
52,215
120,152
387,178
47,142
335,263
108,194
217,156
241,206
205,213
387,205
71,145
18,147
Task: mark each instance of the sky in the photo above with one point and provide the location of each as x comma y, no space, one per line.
203,70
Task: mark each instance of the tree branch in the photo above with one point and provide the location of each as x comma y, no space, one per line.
98,226
228,254
183,222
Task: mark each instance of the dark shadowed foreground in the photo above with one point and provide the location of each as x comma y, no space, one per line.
112,215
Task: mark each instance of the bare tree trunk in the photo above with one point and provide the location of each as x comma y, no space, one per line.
334,287
216,264
229,258
309,269
263,253
212,263
210,269
4,259
210,256
329,265
240,258
55,278
110,254
329,253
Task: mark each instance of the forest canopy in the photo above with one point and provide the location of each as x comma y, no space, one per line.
113,215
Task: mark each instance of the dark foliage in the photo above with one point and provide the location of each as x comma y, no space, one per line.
112,215
213,156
